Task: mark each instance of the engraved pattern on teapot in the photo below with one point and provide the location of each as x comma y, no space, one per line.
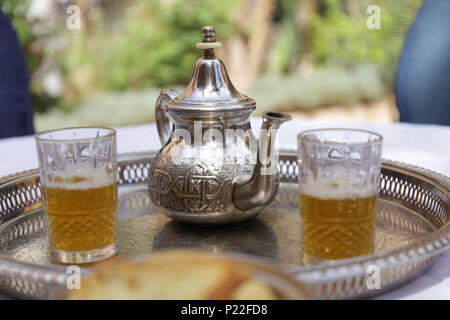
193,188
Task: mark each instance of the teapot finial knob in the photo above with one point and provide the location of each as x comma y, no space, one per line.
209,41
208,33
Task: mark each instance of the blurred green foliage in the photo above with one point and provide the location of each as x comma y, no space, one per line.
288,44
340,39
151,44
337,34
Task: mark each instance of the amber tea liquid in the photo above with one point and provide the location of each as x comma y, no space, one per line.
338,220
81,212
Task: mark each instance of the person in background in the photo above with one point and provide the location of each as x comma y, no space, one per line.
16,118
423,77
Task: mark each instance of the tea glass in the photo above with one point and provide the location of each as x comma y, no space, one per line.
338,187
78,171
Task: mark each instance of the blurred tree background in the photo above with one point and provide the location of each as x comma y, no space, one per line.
292,55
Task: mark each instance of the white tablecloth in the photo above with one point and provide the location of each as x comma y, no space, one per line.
423,145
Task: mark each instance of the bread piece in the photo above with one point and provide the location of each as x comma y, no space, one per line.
176,274
253,289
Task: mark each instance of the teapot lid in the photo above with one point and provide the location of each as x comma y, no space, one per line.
210,88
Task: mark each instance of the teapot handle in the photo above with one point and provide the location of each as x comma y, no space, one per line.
163,121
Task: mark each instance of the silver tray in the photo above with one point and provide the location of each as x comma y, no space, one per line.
412,229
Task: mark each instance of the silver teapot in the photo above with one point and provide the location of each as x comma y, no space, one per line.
211,169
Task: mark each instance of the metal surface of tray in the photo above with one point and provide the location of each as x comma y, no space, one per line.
412,228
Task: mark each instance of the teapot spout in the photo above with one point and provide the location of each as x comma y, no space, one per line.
263,184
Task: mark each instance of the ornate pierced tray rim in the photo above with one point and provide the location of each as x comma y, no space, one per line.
428,246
